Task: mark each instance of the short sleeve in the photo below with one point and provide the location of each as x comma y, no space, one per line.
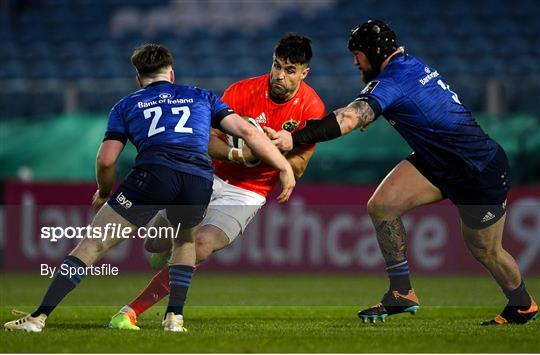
229,96
116,129
384,91
316,110
219,110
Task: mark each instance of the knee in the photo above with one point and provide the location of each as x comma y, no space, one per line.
485,254
380,208
89,251
149,245
204,247
157,245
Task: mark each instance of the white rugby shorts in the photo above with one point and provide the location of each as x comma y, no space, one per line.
231,208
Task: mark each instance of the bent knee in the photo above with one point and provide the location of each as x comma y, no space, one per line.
384,208
485,254
204,247
89,250
157,245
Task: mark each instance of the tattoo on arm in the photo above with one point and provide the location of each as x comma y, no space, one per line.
363,112
392,240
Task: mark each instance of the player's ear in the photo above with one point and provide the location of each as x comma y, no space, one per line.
305,72
171,75
139,81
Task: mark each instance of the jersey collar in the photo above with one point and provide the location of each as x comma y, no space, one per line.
401,54
155,83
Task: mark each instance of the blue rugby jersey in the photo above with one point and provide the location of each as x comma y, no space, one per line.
416,100
169,125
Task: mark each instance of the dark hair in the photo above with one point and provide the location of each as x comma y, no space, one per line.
294,48
150,58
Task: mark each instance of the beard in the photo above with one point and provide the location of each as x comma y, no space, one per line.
368,75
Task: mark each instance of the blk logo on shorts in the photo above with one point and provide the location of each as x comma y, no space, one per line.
122,200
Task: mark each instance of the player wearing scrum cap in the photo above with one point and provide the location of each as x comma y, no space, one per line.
453,158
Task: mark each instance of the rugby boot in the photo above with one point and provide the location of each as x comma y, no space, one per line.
392,302
27,323
515,315
125,319
173,323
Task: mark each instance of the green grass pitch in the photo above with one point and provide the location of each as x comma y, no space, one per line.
231,313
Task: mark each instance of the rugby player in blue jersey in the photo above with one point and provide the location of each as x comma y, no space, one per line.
453,158
169,125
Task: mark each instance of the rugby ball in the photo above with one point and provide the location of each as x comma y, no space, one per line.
236,142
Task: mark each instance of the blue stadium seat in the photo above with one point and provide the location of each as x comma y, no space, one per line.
512,45
463,38
100,101
78,68
43,69
465,26
471,93
9,50
11,70
452,65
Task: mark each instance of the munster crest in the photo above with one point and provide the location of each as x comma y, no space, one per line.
290,125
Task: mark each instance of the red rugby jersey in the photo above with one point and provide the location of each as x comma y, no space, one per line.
251,97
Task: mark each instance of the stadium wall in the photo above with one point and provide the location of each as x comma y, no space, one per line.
324,228
359,157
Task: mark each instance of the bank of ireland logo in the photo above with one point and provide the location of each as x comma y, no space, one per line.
290,125
427,70
165,96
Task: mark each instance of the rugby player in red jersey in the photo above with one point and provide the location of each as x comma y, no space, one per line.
278,100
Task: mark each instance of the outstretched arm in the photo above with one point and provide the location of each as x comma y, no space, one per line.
358,114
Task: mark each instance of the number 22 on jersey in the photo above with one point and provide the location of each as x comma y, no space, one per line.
155,114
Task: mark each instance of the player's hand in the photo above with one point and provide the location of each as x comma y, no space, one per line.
282,139
287,183
98,201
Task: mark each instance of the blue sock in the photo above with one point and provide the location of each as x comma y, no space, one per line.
399,276
179,280
62,284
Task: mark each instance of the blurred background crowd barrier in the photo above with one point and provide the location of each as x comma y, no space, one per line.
65,63
321,229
